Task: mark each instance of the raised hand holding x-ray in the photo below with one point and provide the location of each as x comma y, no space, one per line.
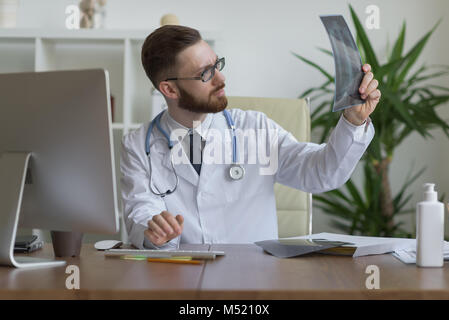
354,84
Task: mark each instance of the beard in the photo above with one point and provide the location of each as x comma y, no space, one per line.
214,104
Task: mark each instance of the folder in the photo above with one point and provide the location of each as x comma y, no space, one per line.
287,248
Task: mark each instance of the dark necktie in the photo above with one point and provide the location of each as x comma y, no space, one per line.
196,166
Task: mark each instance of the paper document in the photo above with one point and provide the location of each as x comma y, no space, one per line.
409,256
366,245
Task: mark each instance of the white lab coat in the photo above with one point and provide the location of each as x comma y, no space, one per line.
217,209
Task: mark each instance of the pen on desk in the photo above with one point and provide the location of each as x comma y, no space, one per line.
142,258
172,260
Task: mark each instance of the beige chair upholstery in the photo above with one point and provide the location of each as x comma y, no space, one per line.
294,211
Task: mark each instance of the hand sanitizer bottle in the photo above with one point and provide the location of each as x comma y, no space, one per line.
430,229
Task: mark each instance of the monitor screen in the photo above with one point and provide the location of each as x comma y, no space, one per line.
63,119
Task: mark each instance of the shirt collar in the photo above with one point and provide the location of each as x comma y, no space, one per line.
172,125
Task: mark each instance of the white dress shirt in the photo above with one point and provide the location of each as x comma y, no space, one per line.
199,132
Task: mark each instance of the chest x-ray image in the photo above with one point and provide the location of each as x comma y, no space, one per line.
348,64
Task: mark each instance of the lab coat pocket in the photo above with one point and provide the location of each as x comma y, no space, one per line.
247,187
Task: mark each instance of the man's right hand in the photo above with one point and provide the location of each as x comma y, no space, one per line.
164,227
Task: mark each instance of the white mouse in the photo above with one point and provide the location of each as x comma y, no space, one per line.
108,244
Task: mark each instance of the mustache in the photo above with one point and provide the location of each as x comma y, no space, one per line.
219,88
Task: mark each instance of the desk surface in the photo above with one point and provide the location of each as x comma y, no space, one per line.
245,272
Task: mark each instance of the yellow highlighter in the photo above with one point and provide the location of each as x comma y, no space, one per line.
186,260
138,258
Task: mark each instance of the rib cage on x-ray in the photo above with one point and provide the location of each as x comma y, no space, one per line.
348,64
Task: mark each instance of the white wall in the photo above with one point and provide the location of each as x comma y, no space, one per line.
257,36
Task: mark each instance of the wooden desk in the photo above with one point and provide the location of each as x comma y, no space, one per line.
249,273
102,278
246,272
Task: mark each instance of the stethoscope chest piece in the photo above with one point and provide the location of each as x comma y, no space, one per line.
236,172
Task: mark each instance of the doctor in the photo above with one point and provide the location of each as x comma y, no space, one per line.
178,186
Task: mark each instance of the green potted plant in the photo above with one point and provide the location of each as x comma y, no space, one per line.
408,104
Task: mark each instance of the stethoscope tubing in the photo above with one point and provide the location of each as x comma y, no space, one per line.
156,121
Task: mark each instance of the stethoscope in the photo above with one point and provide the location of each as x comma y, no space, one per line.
236,171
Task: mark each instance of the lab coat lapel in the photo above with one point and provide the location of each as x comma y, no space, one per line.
184,170
210,170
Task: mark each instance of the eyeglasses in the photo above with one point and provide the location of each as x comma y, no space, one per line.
207,74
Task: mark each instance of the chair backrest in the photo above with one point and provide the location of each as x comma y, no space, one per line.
294,207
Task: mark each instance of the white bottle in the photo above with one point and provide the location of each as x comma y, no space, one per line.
430,229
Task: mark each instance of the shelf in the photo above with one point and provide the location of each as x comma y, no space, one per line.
117,126
135,125
74,34
121,126
17,55
111,34
139,86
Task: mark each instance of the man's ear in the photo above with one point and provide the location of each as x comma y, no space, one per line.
169,89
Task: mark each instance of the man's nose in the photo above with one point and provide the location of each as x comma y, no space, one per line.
218,77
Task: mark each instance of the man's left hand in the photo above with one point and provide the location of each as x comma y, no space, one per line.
357,115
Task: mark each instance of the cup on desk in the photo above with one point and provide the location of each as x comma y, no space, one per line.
66,244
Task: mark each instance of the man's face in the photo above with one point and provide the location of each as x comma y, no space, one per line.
196,95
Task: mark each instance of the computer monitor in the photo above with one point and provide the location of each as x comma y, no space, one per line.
56,156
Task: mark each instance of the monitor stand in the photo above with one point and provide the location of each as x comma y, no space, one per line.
13,168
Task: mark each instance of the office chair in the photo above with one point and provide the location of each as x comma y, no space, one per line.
294,207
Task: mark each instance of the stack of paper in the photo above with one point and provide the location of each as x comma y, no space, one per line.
403,249
366,245
409,256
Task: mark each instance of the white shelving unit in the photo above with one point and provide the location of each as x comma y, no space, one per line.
118,51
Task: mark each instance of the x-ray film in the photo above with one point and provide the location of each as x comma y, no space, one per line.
348,64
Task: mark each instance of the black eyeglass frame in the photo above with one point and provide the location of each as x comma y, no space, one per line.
215,66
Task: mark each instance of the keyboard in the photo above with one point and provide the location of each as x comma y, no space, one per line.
164,253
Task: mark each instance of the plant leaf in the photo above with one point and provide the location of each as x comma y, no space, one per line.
355,194
413,55
326,51
326,74
367,48
401,109
399,45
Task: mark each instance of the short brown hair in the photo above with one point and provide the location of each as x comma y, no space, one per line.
161,47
